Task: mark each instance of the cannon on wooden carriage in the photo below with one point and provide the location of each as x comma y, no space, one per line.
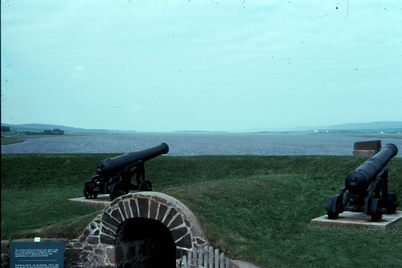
366,188
114,174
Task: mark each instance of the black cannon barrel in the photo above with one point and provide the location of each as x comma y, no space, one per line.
116,163
366,172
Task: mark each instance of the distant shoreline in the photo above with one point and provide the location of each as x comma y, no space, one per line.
388,127
189,143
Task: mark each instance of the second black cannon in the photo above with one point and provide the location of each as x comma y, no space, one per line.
366,188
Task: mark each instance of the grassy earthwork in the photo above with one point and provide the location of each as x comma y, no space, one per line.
17,138
11,140
254,208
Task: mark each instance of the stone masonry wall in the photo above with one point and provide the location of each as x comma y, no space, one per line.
99,236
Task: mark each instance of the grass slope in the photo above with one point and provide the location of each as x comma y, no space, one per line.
11,140
255,208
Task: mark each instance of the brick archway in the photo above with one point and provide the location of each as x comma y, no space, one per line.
100,234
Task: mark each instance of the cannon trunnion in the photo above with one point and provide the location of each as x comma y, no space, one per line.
114,174
366,188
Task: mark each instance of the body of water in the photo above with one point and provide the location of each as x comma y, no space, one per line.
198,144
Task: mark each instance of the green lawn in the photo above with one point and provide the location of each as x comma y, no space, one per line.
11,140
255,208
17,138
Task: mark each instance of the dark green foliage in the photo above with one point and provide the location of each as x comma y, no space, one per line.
255,208
55,131
5,128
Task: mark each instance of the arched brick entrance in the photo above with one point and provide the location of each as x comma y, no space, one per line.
105,231
142,242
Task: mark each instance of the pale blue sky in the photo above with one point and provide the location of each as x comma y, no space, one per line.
211,65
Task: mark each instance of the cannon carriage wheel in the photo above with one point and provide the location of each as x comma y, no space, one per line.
116,190
376,209
145,185
332,215
391,203
88,193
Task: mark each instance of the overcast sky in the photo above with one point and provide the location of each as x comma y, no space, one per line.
200,65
